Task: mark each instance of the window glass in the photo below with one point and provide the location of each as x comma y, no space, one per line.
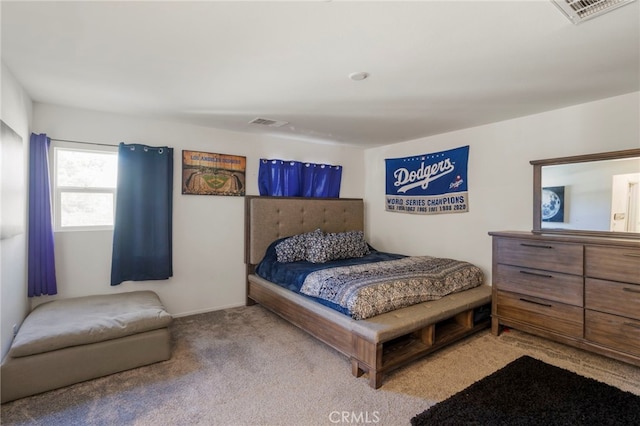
86,209
84,187
87,169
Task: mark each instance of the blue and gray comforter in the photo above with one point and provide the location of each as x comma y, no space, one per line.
374,284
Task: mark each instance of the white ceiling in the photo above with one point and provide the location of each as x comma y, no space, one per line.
435,66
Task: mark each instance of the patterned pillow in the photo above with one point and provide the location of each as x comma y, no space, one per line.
334,246
346,245
293,249
317,249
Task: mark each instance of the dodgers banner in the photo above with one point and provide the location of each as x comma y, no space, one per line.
428,184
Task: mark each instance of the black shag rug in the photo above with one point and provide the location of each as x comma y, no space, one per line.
530,392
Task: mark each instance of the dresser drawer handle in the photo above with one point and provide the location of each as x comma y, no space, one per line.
632,325
631,290
536,274
536,303
536,246
631,254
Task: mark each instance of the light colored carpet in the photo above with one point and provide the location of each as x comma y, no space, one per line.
246,366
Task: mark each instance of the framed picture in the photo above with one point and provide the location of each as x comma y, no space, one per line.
205,173
553,204
13,185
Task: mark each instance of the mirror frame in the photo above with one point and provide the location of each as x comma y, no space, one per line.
537,192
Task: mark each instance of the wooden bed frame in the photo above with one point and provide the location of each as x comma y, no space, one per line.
375,345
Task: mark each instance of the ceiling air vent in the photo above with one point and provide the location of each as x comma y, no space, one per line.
581,10
268,122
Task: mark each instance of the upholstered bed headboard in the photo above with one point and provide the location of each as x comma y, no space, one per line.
270,218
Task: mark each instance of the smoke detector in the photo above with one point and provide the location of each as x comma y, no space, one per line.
581,10
359,76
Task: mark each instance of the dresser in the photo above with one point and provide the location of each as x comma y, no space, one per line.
582,291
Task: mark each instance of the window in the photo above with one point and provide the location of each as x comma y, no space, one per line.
84,183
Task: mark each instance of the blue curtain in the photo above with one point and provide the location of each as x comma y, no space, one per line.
295,179
41,277
142,234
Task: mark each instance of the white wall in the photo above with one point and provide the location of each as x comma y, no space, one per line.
208,262
500,177
16,113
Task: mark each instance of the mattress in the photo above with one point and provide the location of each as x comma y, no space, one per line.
371,284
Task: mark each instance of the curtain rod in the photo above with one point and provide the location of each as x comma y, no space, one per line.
83,142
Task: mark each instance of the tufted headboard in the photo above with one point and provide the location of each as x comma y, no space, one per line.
270,218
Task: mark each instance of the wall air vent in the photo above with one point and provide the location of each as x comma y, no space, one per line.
581,10
268,122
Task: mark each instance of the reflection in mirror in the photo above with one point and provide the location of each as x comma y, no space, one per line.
593,196
625,204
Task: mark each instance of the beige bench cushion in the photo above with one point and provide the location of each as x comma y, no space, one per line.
78,321
390,325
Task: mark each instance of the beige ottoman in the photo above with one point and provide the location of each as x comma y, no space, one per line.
68,341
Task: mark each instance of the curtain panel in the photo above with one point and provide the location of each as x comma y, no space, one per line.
41,276
143,229
296,179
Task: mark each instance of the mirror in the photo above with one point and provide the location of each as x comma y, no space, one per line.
596,194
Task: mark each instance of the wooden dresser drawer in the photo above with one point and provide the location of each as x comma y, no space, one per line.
554,286
545,255
613,297
553,316
613,263
620,333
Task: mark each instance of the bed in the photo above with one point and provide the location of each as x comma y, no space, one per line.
378,343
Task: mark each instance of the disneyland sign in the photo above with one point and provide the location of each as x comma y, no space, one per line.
428,184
